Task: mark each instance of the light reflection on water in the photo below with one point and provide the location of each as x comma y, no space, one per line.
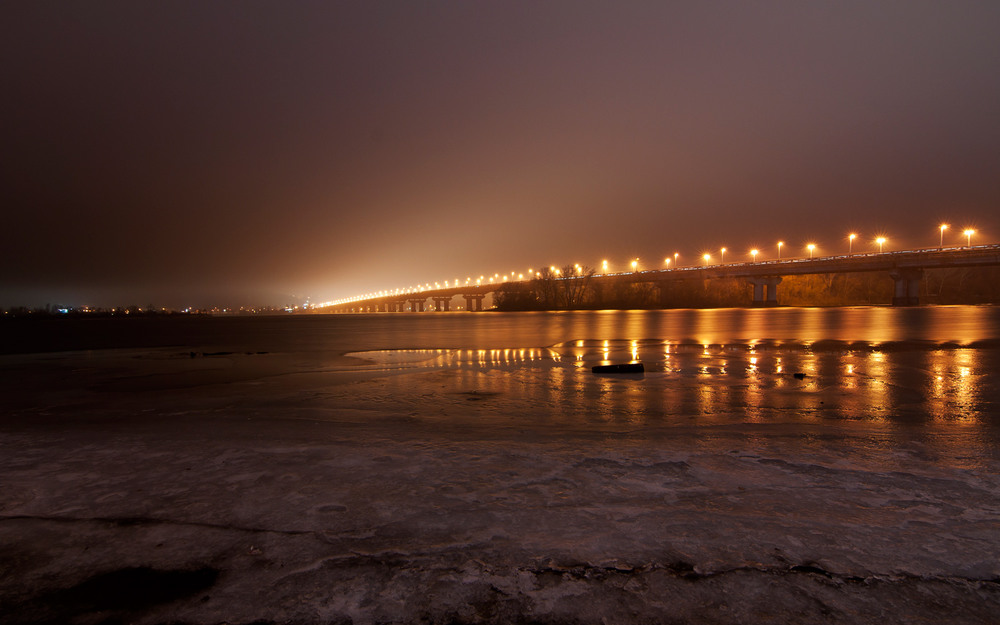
926,372
867,326
950,384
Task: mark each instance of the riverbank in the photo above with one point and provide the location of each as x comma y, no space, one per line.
147,486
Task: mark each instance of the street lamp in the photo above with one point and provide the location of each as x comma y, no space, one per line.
635,264
811,247
780,243
675,258
942,228
753,254
666,262
723,252
850,242
881,242
707,258
968,236
604,266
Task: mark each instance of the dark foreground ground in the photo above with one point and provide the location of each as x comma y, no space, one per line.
155,487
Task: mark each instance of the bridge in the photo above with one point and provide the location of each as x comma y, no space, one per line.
906,268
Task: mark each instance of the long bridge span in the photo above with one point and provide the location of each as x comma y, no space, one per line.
906,268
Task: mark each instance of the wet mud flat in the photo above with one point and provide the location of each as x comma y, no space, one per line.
147,486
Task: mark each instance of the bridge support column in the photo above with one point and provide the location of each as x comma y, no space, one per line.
417,304
474,302
662,294
768,286
772,291
442,304
907,286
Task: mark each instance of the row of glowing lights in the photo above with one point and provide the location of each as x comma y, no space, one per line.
497,278
880,241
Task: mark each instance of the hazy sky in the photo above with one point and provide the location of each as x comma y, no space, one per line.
233,152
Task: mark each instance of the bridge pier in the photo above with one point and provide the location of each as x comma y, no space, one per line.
474,302
662,294
768,286
442,304
417,304
907,286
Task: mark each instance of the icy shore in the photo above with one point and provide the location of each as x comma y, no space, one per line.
160,487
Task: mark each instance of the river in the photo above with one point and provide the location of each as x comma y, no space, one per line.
770,465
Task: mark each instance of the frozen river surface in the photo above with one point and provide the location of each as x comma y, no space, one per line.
784,466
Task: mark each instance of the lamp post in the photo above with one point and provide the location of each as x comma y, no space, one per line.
707,258
850,243
753,254
811,247
942,228
635,265
604,266
881,242
675,258
968,236
780,243
722,252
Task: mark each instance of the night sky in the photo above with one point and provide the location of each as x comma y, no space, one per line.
226,153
